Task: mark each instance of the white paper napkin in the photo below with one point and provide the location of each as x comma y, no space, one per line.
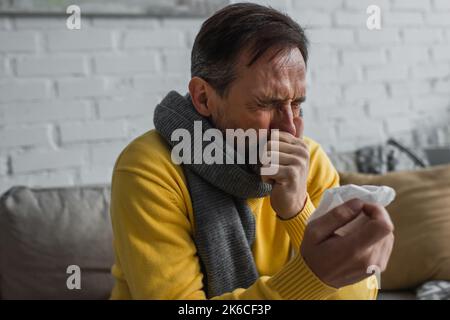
334,197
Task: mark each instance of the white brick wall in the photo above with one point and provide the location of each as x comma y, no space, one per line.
71,100
81,87
18,41
12,90
24,136
411,4
92,131
159,38
129,64
35,161
442,4
85,39
50,66
408,54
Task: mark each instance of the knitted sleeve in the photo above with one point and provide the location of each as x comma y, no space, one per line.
322,176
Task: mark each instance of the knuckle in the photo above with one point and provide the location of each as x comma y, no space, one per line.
283,136
306,156
386,226
378,206
298,161
386,218
303,151
303,145
342,213
291,171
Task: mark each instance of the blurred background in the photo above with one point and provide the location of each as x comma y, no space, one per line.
70,100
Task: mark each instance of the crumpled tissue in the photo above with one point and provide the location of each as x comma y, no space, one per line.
334,197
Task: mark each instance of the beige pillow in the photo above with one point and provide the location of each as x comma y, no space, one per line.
421,216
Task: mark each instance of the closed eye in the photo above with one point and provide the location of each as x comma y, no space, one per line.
299,101
296,105
264,105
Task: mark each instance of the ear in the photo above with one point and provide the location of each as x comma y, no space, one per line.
201,92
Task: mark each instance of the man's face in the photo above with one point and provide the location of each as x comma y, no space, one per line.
266,95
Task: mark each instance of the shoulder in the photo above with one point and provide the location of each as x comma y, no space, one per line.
316,152
149,157
322,174
148,146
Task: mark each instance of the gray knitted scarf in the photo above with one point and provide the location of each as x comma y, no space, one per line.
224,225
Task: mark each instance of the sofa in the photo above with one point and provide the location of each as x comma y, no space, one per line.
44,231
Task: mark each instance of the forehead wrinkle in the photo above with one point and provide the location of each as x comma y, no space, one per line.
282,88
285,79
281,78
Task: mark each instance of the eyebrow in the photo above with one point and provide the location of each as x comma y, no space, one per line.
274,101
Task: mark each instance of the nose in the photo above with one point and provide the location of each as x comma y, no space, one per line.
283,119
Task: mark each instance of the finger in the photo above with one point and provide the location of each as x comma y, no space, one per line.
288,148
378,212
299,127
369,234
289,138
285,137
326,225
286,159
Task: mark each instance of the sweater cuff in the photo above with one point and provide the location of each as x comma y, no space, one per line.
296,281
296,225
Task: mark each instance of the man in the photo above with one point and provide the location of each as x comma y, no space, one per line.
222,231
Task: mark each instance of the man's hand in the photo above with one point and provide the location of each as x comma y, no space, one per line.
288,195
340,261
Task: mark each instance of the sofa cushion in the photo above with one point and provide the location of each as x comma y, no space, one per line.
421,216
43,231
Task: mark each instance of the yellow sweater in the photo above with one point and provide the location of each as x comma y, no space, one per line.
153,221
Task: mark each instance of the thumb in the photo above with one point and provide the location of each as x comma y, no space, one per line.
299,127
